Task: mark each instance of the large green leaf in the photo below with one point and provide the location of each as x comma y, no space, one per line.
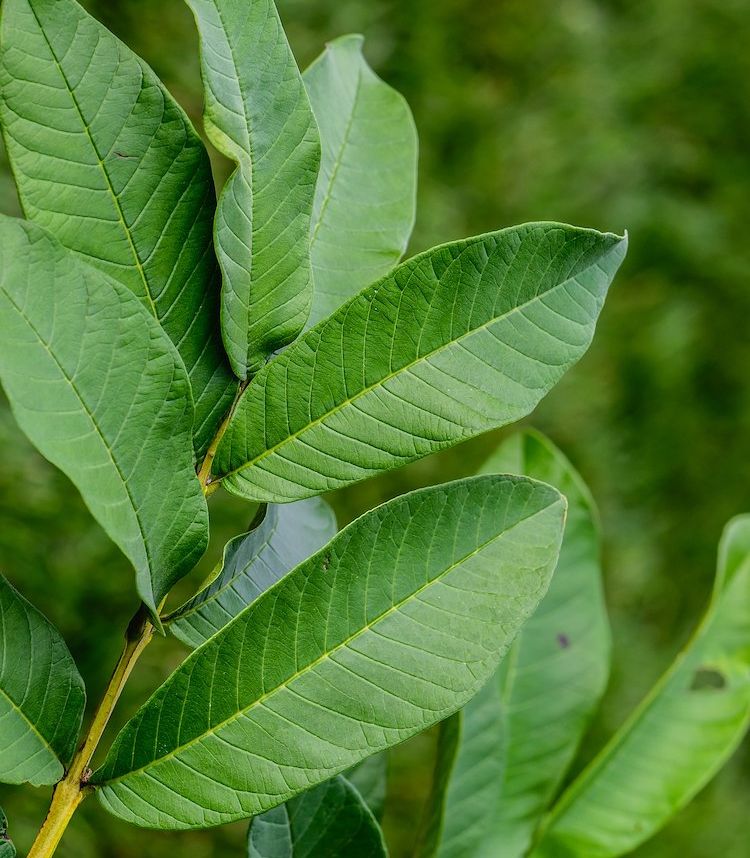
459,340
100,390
677,739
365,200
370,779
106,161
258,114
390,628
329,821
7,850
42,697
252,563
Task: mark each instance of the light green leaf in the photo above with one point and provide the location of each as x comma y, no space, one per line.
370,779
258,114
42,697
7,849
387,630
677,739
464,338
365,200
98,387
107,162
252,563
329,821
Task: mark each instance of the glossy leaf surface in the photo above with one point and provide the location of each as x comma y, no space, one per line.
388,629
100,390
41,696
107,161
329,821
461,339
677,739
258,114
365,199
252,563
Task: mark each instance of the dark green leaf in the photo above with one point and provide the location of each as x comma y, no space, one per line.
677,739
42,697
7,850
388,629
370,778
459,340
329,821
254,562
107,162
100,390
258,114
365,199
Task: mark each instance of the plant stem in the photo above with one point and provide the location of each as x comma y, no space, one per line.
204,473
72,790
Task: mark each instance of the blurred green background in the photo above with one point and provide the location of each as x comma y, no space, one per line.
608,114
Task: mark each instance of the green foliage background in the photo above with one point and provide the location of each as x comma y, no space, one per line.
606,114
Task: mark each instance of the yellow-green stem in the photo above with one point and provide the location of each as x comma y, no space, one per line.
72,790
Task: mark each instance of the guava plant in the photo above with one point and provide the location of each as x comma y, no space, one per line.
159,344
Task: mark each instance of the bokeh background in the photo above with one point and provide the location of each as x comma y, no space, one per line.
608,114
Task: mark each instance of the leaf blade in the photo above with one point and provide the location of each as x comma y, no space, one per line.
106,161
7,849
365,199
257,113
315,697
42,696
100,390
365,391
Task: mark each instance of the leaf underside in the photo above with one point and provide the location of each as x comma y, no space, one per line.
365,199
391,627
257,113
328,821
677,739
459,340
42,697
100,390
107,161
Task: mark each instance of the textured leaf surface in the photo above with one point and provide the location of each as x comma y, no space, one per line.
390,628
41,696
7,850
258,114
370,779
464,338
110,165
365,199
100,390
678,738
254,562
329,821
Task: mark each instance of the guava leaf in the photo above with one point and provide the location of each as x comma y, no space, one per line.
370,778
461,339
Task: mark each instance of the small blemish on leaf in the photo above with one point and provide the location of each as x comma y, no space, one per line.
708,679
563,641
326,562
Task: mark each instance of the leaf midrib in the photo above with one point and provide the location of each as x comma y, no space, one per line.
260,701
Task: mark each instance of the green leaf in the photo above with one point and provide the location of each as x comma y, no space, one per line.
7,849
365,199
107,162
461,339
387,630
677,739
42,696
258,114
98,387
370,779
328,821
254,562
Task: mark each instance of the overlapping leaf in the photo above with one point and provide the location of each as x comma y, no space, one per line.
252,563
42,697
370,779
329,821
258,114
365,198
390,628
459,340
678,738
100,390
106,161
7,849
